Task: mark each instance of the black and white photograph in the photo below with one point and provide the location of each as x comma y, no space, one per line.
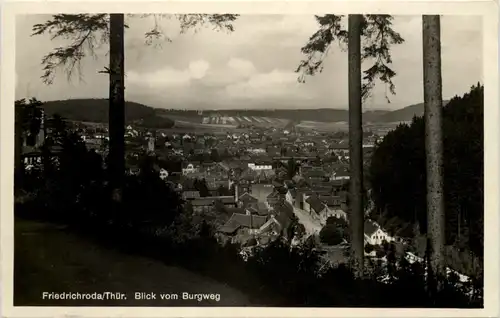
239,159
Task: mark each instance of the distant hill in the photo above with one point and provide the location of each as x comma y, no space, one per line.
404,114
96,110
324,115
294,115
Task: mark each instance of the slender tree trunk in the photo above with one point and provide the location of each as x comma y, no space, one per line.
355,145
116,160
434,148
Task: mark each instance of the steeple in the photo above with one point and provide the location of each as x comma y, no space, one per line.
40,139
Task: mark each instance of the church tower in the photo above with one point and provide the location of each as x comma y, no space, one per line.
40,138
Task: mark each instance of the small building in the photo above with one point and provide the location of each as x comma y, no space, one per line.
241,227
189,169
245,199
205,204
374,234
315,207
190,195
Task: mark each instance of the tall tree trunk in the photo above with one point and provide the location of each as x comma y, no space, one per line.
434,148
116,160
355,145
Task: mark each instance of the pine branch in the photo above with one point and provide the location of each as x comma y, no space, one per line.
377,36
219,22
86,32
82,30
319,44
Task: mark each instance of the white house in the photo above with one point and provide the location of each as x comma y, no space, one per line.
338,213
163,174
189,169
375,235
340,175
259,166
257,150
151,144
290,195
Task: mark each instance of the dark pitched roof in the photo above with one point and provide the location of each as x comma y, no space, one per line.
339,183
331,200
238,220
370,227
284,214
281,190
225,199
273,195
315,174
288,183
247,198
259,208
191,194
321,189
321,183
252,210
342,173
315,204
235,210
340,146
277,184
224,166
207,201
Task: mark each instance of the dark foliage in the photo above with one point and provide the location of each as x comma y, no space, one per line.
97,110
341,223
331,235
28,113
404,114
398,173
214,155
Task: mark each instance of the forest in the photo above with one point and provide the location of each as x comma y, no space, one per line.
96,110
398,174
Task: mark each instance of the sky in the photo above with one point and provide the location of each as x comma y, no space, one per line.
252,67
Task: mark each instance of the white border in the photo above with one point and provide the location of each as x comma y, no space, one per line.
487,9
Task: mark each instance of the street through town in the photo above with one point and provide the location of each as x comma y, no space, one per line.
311,225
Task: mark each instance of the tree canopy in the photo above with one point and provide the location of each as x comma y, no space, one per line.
331,234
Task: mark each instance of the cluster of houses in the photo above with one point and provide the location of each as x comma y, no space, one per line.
252,158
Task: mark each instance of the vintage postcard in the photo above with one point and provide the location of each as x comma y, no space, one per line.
253,159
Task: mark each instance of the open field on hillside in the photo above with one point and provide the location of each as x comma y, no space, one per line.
227,121
335,126
257,121
187,118
179,123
